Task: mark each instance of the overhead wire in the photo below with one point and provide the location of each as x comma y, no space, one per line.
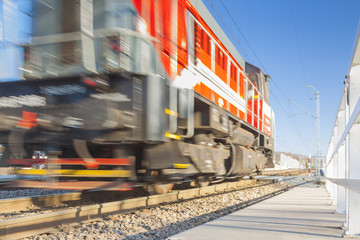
249,45
252,50
242,34
262,65
293,123
227,28
256,56
297,42
298,46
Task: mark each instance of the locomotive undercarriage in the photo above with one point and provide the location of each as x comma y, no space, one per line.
94,142
116,130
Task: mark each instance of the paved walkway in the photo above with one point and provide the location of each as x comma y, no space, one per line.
301,213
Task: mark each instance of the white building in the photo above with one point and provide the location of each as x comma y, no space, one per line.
288,160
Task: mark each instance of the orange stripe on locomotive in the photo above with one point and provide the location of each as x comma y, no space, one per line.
166,22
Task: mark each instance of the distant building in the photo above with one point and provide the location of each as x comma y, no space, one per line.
290,160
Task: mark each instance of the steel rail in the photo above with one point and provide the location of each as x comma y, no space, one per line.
21,227
282,171
24,203
26,226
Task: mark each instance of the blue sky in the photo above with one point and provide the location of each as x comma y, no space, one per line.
326,31
15,29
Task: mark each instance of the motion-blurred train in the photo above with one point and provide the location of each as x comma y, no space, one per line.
122,93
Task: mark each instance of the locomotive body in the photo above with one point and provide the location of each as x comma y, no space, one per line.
133,92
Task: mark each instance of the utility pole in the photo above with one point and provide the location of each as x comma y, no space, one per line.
317,117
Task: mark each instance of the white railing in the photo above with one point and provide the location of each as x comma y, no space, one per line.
342,160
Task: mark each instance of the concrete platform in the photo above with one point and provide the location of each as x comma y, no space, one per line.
301,213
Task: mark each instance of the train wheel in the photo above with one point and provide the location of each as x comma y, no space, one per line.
160,188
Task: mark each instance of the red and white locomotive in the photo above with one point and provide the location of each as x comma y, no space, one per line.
134,92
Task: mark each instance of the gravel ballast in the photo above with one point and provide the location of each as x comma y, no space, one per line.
30,192
165,220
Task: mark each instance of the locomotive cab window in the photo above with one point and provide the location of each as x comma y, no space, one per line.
266,89
256,76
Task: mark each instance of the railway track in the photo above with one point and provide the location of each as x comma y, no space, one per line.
283,172
25,226
36,202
